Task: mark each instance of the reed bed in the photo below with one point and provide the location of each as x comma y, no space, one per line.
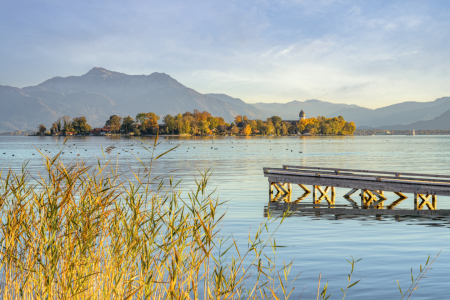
83,232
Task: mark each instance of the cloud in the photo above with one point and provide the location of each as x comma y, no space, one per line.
342,51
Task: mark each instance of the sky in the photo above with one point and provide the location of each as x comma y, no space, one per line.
371,53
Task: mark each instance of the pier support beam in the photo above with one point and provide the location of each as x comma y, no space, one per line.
351,193
304,188
370,201
324,194
301,197
400,195
395,203
283,191
425,200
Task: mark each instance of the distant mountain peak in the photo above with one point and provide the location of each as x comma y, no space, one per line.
98,71
314,101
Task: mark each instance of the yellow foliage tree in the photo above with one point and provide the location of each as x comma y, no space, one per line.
247,130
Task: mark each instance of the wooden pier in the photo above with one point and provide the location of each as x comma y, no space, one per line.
372,184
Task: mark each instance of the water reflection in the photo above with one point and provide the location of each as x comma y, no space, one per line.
351,211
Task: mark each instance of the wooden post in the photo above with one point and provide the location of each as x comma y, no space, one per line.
270,191
416,201
363,202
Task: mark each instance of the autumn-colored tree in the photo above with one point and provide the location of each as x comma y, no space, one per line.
140,118
213,122
204,116
187,127
238,119
151,122
54,127
80,125
259,124
269,127
169,121
247,130
284,129
204,126
276,120
277,127
234,130
127,124
196,114
292,128
244,118
115,122
58,123
42,129
221,128
67,123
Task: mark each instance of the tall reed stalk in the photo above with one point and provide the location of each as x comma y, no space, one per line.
82,232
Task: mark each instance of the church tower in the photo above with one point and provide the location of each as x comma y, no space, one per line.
301,115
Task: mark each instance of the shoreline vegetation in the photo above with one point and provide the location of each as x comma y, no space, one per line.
79,231
199,124
357,132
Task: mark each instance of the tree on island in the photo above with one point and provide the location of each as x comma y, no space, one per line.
169,121
42,129
234,130
247,130
115,122
151,122
67,126
128,124
203,123
54,128
80,125
326,126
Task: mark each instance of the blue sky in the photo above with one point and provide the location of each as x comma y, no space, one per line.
370,53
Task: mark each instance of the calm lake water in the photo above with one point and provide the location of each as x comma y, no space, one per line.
319,244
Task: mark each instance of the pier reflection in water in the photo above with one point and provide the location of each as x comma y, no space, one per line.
305,206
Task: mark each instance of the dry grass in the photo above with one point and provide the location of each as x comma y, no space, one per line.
79,232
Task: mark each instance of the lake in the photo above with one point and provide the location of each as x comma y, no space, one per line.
389,246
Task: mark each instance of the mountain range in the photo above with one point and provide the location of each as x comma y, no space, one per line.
101,93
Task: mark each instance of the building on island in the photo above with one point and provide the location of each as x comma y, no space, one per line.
302,115
101,131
